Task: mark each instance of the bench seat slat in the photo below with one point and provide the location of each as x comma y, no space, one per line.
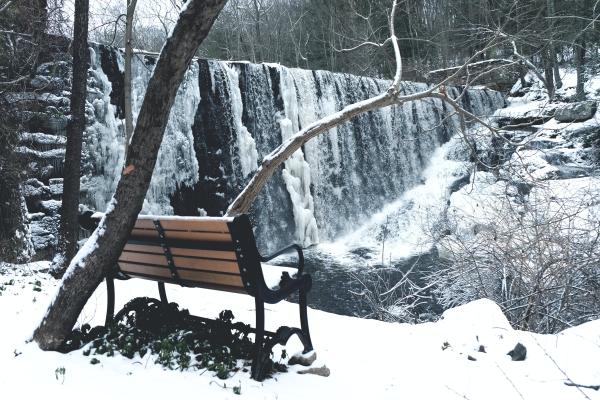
181,262
199,225
177,251
186,275
183,235
234,289
183,244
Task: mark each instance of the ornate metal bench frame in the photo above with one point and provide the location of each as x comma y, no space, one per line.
249,263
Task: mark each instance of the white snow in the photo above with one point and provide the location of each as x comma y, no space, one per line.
42,138
272,274
367,358
183,218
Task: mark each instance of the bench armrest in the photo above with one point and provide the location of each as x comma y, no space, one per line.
298,249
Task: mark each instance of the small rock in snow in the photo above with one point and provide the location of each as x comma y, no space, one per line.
519,353
321,371
303,359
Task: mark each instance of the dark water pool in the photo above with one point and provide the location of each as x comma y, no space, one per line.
335,282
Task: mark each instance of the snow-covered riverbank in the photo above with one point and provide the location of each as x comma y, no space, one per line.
464,355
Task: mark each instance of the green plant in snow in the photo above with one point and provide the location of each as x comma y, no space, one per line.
177,340
59,374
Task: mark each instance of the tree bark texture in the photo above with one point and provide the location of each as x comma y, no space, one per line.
580,68
69,230
551,11
102,250
579,47
15,245
547,57
127,75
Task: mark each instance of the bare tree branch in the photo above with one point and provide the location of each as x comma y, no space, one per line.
5,7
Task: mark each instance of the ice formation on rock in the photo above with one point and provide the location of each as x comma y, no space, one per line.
228,116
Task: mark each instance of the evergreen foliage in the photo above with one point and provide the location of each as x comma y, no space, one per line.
175,339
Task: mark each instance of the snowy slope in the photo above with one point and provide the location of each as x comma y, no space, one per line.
367,358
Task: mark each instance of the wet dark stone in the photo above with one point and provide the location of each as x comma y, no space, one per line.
519,353
110,66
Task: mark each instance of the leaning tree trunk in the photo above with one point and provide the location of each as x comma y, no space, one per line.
69,230
102,250
271,162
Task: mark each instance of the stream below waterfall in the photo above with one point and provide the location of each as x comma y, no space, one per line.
336,286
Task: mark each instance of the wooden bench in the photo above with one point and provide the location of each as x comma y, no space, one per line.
216,253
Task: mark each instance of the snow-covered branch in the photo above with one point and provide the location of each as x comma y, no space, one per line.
5,7
529,65
361,45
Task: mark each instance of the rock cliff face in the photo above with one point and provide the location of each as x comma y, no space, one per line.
45,114
226,117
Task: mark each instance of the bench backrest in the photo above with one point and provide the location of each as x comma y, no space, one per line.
214,252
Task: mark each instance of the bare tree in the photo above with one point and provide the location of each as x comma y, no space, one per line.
391,295
69,229
551,11
127,78
536,258
96,259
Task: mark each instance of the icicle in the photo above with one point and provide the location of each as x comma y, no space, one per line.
248,154
104,139
176,164
296,173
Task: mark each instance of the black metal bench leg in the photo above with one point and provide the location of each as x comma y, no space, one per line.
307,342
162,293
110,300
258,367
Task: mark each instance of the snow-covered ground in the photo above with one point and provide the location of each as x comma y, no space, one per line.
462,356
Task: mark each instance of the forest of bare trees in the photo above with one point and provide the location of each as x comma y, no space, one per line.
348,36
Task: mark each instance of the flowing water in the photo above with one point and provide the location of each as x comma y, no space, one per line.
343,193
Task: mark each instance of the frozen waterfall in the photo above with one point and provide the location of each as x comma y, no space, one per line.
228,116
176,164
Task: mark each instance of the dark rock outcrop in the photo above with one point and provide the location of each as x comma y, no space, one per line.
576,112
